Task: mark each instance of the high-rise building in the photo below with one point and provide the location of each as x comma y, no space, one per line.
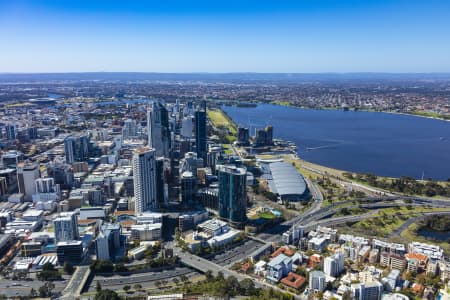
243,135
108,241
10,131
11,158
63,174
188,188
232,194
69,251
269,135
76,148
45,185
129,129
200,133
158,129
334,265
186,127
26,175
317,281
144,178
161,182
66,227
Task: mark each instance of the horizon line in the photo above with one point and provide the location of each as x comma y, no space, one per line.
224,73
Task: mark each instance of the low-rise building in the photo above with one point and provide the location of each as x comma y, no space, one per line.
278,267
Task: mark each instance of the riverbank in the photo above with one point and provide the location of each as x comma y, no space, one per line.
421,114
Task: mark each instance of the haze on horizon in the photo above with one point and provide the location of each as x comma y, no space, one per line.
225,36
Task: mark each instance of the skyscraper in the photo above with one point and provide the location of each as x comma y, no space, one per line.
129,129
188,188
243,135
76,148
10,131
144,177
66,227
26,176
200,132
158,129
232,194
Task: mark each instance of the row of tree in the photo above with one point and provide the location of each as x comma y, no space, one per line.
404,184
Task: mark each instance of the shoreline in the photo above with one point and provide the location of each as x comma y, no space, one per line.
363,110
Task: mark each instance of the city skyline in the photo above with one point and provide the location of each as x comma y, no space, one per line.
292,37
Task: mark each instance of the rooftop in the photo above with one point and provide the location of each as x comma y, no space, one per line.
284,179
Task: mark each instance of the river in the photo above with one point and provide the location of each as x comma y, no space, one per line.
365,142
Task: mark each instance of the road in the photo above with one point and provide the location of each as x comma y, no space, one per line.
410,221
76,283
204,265
14,288
147,279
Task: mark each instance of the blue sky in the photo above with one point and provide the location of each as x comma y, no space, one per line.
225,36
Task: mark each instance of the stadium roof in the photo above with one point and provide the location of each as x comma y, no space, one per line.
285,179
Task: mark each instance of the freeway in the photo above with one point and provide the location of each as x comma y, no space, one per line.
147,279
13,288
204,265
405,225
76,283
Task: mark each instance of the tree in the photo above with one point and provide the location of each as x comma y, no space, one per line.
68,268
176,281
98,287
33,293
106,295
46,290
126,288
137,287
48,273
247,287
209,275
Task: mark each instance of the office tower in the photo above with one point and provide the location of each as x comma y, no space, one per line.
367,291
317,281
10,131
69,251
32,133
76,148
186,127
188,188
189,109
45,185
243,135
260,137
211,159
108,241
11,158
190,162
232,194
66,227
158,129
161,182
269,135
334,265
144,178
26,175
200,132
129,130
62,174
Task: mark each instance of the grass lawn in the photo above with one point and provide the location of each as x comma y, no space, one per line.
267,215
218,118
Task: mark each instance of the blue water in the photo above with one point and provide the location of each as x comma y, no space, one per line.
365,142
